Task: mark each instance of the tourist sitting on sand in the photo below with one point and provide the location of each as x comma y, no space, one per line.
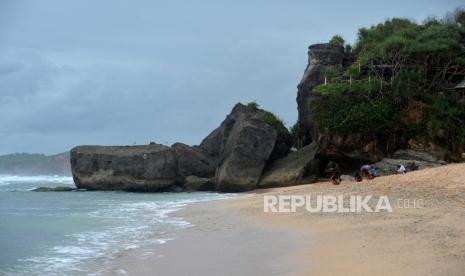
334,172
334,176
358,177
373,171
365,171
401,169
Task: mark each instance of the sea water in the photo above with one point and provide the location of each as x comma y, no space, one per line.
73,233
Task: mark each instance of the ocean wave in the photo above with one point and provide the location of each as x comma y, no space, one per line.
13,179
138,224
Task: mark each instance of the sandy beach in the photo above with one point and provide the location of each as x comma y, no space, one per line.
236,237
223,240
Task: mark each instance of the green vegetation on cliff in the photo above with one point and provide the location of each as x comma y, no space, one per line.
400,79
274,121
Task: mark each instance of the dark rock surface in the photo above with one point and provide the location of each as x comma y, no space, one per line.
323,60
214,145
128,168
388,166
195,183
244,144
418,156
54,189
292,169
192,161
411,159
349,151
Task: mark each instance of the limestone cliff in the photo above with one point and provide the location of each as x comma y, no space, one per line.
324,60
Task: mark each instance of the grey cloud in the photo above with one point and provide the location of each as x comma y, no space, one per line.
119,72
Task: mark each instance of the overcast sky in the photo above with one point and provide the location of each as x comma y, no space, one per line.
123,72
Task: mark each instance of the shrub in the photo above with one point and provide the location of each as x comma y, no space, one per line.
337,40
274,121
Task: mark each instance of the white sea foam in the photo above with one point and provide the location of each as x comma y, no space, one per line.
137,224
12,179
94,226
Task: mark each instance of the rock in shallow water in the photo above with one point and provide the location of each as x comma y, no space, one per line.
54,189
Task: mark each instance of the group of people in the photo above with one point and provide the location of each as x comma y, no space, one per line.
366,171
369,172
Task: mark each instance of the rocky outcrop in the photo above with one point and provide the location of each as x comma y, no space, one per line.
324,60
129,168
54,189
240,147
416,155
192,161
293,169
355,146
230,159
350,150
411,159
195,183
249,147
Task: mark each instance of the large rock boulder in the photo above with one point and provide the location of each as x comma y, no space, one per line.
240,148
129,168
192,161
293,169
214,145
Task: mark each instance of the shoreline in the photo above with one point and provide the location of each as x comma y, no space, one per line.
234,236
220,242
407,241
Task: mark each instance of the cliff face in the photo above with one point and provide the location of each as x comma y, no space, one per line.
349,150
324,60
353,148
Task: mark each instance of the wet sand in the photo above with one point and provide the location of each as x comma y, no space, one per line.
223,240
